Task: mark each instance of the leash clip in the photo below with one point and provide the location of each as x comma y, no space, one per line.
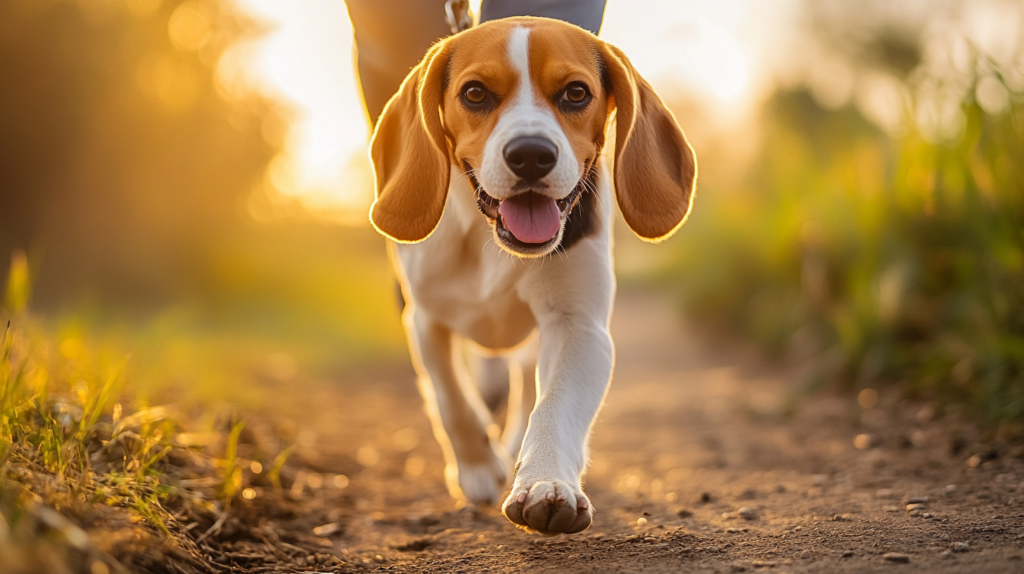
457,15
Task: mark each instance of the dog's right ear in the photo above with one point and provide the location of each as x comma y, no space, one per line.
410,154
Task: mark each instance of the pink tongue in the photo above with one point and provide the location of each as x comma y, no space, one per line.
531,217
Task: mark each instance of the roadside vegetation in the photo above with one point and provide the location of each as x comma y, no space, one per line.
886,249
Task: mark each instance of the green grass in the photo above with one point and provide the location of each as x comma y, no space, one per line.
881,260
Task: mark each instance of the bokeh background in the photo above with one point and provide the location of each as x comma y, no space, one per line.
190,177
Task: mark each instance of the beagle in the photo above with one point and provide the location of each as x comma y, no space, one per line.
489,181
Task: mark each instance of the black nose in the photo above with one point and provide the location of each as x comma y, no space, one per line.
531,157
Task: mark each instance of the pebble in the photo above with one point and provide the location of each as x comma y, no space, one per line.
891,509
848,554
917,500
705,497
896,557
641,521
946,554
684,513
763,564
885,493
714,549
737,568
805,555
747,513
916,507
950,488
959,547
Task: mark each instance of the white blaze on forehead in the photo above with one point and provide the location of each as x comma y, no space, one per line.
519,53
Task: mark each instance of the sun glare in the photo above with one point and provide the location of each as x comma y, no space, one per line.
306,58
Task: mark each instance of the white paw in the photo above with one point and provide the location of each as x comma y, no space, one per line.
482,484
549,507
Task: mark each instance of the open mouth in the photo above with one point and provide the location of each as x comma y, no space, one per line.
528,220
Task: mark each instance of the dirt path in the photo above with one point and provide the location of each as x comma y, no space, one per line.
688,437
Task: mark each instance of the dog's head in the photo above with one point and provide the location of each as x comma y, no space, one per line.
521,106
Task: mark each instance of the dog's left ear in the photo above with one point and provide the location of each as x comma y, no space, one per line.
655,169
410,154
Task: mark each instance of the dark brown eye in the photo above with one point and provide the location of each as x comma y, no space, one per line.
475,94
575,93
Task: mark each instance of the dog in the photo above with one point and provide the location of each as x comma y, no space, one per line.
490,181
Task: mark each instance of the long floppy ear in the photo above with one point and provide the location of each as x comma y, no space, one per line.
655,169
410,154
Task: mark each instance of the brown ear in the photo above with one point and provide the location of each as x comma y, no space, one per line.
410,154
655,169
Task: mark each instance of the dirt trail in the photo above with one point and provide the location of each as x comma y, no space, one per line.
688,437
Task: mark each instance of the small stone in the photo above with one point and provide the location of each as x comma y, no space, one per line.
684,513
917,500
841,518
959,547
974,462
805,555
944,537
378,559
819,479
705,497
763,564
916,507
848,554
737,568
950,488
747,513
896,557
946,554
885,493
641,521
891,509
714,549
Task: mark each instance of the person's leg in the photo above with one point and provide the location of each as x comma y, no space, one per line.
586,14
391,36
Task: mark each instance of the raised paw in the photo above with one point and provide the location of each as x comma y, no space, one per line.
549,507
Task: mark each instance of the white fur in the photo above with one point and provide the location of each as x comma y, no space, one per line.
551,312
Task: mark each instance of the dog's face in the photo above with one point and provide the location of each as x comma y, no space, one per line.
521,106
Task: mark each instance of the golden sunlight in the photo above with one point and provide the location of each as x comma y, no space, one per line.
709,51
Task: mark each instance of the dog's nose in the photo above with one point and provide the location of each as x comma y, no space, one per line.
531,157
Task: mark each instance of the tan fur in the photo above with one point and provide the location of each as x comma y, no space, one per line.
410,155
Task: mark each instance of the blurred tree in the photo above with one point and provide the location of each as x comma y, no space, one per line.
124,152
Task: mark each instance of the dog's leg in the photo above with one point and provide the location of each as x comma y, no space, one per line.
522,396
492,380
574,368
476,464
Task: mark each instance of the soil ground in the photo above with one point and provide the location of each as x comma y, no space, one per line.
689,435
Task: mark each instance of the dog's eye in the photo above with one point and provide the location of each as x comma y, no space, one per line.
476,97
475,94
575,93
575,97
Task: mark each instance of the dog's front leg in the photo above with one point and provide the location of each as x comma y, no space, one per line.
476,465
575,365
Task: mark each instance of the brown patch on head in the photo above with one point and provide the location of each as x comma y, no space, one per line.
480,56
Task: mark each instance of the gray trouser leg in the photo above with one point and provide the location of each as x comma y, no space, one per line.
586,14
391,36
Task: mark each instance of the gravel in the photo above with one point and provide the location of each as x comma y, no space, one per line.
896,557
